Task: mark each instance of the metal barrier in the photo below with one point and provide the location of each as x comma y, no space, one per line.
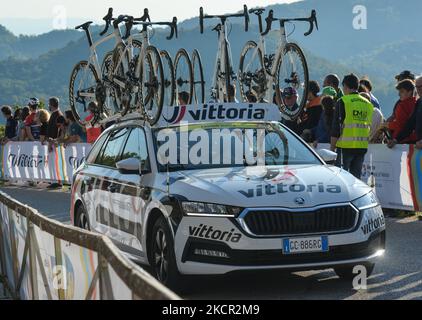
41,258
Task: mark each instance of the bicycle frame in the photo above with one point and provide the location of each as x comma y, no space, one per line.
218,88
93,57
270,74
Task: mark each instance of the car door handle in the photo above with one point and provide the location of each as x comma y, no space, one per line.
112,188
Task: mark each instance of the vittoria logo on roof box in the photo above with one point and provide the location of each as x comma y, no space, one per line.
221,112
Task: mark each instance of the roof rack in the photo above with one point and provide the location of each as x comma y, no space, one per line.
118,118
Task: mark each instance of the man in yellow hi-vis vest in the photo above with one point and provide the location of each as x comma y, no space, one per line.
351,127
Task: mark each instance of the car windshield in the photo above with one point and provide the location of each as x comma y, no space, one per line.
210,146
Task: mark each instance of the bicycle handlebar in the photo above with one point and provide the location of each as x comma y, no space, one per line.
107,18
145,17
312,21
172,25
203,16
130,22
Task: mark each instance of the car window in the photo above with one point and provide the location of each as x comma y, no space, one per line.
98,145
111,150
136,147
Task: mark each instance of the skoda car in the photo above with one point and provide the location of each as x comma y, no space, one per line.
208,212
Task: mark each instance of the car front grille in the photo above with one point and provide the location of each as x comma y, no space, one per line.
281,222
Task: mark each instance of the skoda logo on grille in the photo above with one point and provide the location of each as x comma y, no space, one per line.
300,201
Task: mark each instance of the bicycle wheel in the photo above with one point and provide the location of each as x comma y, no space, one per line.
183,72
152,85
292,71
198,78
169,85
252,77
83,85
124,63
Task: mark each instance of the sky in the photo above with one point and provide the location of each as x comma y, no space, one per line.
36,16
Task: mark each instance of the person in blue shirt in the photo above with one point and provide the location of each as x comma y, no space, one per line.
11,128
322,130
75,133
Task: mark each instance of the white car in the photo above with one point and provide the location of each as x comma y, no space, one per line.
291,211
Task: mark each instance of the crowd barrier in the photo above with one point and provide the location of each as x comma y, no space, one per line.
397,171
41,258
32,161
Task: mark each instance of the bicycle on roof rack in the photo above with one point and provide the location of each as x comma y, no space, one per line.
126,76
86,84
264,75
147,81
223,75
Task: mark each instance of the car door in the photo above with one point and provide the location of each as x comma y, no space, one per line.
133,195
105,175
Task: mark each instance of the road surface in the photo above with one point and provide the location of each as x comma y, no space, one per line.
397,276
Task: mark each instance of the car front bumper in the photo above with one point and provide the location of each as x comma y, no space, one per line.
196,255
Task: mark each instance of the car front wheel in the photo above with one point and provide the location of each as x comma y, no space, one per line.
163,260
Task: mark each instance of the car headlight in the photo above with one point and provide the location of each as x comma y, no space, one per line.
367,201
210,209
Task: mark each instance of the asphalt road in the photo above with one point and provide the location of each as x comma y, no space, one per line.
397,276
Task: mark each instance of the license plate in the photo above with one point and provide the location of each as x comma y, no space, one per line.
303,245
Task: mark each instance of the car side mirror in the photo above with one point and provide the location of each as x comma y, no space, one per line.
327,155
129,166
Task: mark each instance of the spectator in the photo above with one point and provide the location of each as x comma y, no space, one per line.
53,128
43,116
351,127
312,112
53,105
403,111
368,85
405,75
92,127
17,114
21,123
290,96
61,130
32,129
414,124
75,133
323,129
377,121
11,128
332,80
183,98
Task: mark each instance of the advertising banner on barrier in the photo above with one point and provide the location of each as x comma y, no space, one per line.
31,161
390,169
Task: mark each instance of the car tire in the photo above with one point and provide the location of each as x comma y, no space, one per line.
82,219
162,256
346,272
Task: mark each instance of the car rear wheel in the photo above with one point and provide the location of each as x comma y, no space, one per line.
162,257
346,273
